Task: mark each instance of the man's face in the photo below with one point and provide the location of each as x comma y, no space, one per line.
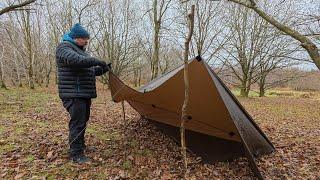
82,41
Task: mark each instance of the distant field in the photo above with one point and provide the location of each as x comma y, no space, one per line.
284,92
33,139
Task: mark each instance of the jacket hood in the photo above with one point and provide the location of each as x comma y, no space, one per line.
66,37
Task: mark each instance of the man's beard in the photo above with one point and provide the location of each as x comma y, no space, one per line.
83,47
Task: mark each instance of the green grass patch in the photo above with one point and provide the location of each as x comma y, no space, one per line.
25,145
133,143
145,152
101,135
100,175
46,176
23,99
279,93
19,130
127,165
66,170
43,124
7,148
236,92
107,153
29,158
144,174
2,130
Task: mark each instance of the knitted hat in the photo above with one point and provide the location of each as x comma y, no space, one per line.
77,31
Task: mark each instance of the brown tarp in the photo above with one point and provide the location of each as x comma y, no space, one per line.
218,128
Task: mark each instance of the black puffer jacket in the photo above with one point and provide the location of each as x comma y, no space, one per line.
76,72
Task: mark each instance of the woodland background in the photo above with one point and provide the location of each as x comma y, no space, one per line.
273,72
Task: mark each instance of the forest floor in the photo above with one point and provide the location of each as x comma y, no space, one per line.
33,140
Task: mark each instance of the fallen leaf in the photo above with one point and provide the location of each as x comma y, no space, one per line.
4,174
50,154
19,176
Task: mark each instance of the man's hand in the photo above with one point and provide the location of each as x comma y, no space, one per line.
100,70
105,67
108,67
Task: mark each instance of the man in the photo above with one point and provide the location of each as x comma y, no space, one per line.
77,85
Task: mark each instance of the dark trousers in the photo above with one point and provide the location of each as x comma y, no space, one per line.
79,110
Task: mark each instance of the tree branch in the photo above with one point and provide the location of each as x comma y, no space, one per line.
306,43
15,6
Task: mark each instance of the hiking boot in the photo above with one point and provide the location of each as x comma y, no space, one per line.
80,159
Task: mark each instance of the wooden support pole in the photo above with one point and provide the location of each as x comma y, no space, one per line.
184,115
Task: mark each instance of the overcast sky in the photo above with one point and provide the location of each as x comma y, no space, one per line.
301,7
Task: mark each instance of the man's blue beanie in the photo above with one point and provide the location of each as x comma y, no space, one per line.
77,31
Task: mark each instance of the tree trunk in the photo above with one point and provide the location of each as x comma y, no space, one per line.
244,87
135,77
248,87
2,82
247,92
28,43
139,79
262,86
155,56
30,71
13,81
48,73
156,42
261,91
242,92
15,59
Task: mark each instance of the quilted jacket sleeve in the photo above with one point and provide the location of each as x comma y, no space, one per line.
68,57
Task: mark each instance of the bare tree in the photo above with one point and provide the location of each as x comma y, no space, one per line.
58,21
244,47
144,44
210,25
17,68
169,57
25,32
116,38
305,41
12,41
80,10
276,55
26,26
159,10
